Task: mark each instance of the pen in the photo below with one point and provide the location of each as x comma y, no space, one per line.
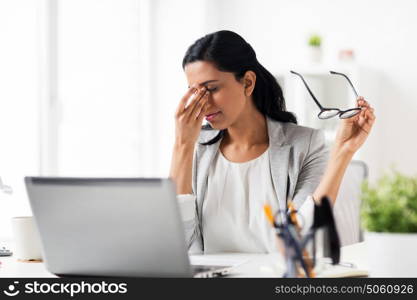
294,220
269,215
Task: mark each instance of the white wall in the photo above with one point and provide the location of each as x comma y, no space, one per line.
99,87
19,75
177,24
119,80
382,33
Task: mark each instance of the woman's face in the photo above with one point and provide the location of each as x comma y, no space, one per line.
227,97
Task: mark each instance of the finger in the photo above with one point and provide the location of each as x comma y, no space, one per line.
203,108
361,120
183,102
359,100
199,106
195,104
363,111
370,114
365,106
366,110
368,121
362,102
362,115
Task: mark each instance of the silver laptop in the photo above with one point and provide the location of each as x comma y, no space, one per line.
112,227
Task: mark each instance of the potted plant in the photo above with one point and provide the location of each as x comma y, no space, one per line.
314,43
389,216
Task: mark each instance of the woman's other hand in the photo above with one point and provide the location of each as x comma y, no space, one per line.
353,132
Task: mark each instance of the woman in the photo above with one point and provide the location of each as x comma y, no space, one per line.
252,152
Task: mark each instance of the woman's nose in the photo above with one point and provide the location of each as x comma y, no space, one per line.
210,100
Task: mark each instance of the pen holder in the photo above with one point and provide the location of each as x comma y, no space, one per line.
301,252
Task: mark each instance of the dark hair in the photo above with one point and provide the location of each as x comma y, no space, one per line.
229,52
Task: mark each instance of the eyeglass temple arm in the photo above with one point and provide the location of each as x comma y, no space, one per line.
308,89
347,78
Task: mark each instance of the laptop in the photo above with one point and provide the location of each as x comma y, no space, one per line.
124,227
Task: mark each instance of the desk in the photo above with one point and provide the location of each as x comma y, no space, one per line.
256,265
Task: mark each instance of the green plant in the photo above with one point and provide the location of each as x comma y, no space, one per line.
314,40
390,206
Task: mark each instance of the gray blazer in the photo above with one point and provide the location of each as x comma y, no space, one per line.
297,158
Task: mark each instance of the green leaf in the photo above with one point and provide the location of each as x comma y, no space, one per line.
390,205
314,40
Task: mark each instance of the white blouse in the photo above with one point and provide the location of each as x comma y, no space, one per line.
233,215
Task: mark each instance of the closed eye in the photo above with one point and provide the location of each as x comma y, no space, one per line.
211,89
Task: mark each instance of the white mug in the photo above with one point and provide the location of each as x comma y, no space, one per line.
26,238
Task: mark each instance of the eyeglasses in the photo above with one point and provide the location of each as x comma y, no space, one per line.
326,112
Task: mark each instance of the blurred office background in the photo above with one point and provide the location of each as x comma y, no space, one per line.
89,87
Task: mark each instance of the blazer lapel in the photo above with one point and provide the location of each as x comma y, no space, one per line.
205,158
279,156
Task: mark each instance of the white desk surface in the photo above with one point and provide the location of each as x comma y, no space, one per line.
255,265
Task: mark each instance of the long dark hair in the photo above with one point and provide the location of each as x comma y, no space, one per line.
231,53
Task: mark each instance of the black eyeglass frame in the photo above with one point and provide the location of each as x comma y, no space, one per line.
323,110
